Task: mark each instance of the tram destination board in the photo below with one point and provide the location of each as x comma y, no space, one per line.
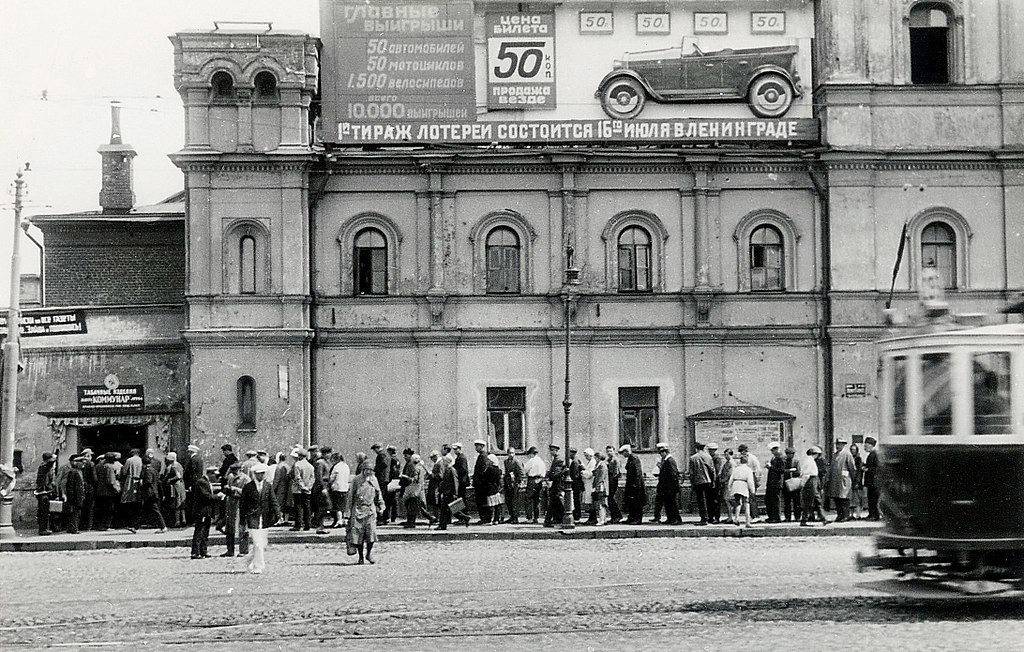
404,61
100,398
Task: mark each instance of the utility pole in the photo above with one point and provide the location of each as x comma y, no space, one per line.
12,356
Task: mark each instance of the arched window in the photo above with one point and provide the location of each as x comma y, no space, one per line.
247,264
938,251
634,260
931,43
370,256
266,87
502,261
222,86
766,259
246,403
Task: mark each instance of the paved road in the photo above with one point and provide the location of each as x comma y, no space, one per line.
791,593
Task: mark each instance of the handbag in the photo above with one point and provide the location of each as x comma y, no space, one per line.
495,500
793,484
56,506
457,505
394,486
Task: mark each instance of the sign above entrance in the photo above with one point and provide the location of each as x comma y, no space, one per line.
100,398
416,72
39,324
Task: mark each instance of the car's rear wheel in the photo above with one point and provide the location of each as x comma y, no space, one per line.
770,95
623,98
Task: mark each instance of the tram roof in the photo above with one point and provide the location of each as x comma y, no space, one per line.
957,333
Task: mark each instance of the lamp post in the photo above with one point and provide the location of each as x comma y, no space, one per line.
572,279
12,356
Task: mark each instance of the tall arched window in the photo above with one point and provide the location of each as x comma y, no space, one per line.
634,260
938,250
247,264
931,43
371,263
502,261
246,403
766,256
222,86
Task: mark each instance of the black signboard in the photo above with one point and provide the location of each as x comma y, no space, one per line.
39,324
99,398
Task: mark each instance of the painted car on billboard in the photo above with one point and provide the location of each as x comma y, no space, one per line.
765,78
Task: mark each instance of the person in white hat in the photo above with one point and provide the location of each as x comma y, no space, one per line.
587,496
810,501
260,510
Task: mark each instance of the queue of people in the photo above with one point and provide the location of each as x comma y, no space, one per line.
314,488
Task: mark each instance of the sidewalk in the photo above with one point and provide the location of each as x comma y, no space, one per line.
182,538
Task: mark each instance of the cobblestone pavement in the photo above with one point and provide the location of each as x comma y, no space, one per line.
792,593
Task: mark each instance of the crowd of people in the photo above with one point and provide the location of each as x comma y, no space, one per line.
309,486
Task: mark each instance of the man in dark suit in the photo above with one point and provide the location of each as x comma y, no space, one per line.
871,478
556,506
203,504
702,481
260,510
634,496
190,475
512,478
74,494
576,479
613,484
381,471
668,485
483,510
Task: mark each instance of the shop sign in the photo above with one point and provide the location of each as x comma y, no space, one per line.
678,131
39,324
119,398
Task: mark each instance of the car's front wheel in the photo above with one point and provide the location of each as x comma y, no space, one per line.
770,96
623,98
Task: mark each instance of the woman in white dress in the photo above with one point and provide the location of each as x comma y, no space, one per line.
587,497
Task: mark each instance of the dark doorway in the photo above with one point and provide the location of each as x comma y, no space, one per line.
115,438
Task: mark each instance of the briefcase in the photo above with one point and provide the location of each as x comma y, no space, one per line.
457,505
56,506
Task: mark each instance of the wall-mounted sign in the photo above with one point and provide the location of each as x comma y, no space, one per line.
597,22
100,398
399,60
679,131
855,390
768,22
520,61
437,71
58,322
710,22
654,22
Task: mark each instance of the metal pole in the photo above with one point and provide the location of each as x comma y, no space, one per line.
12,355
567,522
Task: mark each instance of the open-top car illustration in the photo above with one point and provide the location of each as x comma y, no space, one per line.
766,78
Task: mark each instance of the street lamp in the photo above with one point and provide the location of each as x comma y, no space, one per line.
572,279
12,355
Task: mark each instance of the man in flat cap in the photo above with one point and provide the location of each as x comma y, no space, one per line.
192,471
634,496
668,485
74,494
511,479
840,479
871,478
701,468
714,504
301,487
774,483
461,466
46,488
576,480
205,499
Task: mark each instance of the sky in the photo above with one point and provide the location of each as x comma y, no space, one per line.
64,62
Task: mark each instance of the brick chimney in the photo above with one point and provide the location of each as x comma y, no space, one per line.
116,193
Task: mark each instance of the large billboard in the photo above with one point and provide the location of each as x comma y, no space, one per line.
400,72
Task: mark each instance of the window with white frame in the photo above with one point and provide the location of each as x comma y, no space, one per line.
506,421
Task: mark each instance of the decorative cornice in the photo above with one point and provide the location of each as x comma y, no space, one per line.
247,337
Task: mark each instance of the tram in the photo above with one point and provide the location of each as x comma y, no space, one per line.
952,458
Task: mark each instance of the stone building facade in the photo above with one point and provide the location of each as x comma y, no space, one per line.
344,295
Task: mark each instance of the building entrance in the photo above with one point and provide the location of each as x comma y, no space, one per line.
117,438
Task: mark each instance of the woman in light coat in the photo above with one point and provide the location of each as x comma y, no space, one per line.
587,497
599,506
366,502
741,485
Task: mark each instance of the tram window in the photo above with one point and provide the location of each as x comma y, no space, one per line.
936,398
991,380
899,396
